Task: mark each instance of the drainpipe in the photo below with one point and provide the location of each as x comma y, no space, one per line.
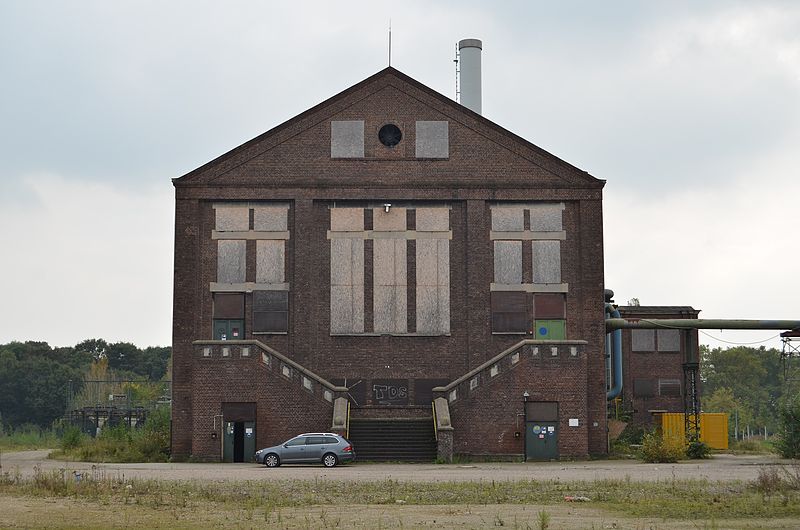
616,354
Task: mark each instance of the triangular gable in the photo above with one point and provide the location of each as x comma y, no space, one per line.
275,153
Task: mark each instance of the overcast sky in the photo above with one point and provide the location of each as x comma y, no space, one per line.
689,110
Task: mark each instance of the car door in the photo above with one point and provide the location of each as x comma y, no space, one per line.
294,450
314,448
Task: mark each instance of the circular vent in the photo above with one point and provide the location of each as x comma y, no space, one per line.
390,135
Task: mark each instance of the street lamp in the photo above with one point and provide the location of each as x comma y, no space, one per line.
525,396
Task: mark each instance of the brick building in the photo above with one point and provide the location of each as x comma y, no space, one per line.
387,248
653,377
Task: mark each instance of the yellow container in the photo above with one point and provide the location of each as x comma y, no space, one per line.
713,428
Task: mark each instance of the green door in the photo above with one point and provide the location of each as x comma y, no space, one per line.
228,441
550,329
239,441
249,441
228,329
541,440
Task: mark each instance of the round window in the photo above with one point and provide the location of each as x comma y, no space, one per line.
390,135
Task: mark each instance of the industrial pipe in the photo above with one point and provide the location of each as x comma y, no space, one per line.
699,323
616,354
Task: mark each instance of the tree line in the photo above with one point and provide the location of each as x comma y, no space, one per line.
37,380
748,384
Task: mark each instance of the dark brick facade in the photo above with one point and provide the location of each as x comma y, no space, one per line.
654,365
292,164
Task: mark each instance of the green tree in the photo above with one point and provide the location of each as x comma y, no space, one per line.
752,374
723,400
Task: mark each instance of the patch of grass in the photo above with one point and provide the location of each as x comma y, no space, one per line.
657,449
121,443
676,499
27,438
751,447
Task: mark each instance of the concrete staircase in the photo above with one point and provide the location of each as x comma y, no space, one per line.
393,439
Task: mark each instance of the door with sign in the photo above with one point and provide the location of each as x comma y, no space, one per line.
542,440
541,430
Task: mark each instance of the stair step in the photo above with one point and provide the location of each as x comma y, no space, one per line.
387,439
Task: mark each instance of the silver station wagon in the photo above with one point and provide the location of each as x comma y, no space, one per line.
325,447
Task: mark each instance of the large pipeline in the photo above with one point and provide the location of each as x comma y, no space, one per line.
699,323
616,353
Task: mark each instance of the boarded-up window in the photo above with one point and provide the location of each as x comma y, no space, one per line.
389,273
546,217
541,411
509,312
643,340
546,261
508,262
669,339
270,311
643,388
549,306
233,218
229,306
669,387
432,139
347,272
231,261
270,259
347,139
433,273
508,219
270,218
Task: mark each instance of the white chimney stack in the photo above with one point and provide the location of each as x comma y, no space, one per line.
469,52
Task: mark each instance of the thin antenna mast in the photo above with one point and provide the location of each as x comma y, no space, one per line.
458,71
390,42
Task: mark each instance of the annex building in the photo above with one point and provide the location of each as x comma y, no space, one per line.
390,263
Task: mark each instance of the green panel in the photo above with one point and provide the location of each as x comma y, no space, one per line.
227,443
249,440
551,329
228,329
541,440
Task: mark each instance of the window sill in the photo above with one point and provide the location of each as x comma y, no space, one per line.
270,333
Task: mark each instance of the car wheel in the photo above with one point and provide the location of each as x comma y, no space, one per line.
330,460
271,460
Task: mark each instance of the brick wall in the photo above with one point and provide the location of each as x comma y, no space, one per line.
292,164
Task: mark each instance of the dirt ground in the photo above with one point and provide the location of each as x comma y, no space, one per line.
721,467
28,512
46,512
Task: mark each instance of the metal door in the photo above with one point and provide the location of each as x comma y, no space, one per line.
249,440
228,441
541,440
228,329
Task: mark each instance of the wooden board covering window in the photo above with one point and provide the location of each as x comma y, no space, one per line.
270,311
229,306
643,388
509,312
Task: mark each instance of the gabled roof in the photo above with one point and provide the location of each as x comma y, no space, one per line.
569,175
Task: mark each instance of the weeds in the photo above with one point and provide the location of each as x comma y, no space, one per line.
120,443
543,520
657,449
28,437
698,450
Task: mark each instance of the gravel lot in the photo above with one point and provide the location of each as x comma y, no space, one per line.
721,467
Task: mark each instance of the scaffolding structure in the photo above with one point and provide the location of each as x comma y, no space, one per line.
789,353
